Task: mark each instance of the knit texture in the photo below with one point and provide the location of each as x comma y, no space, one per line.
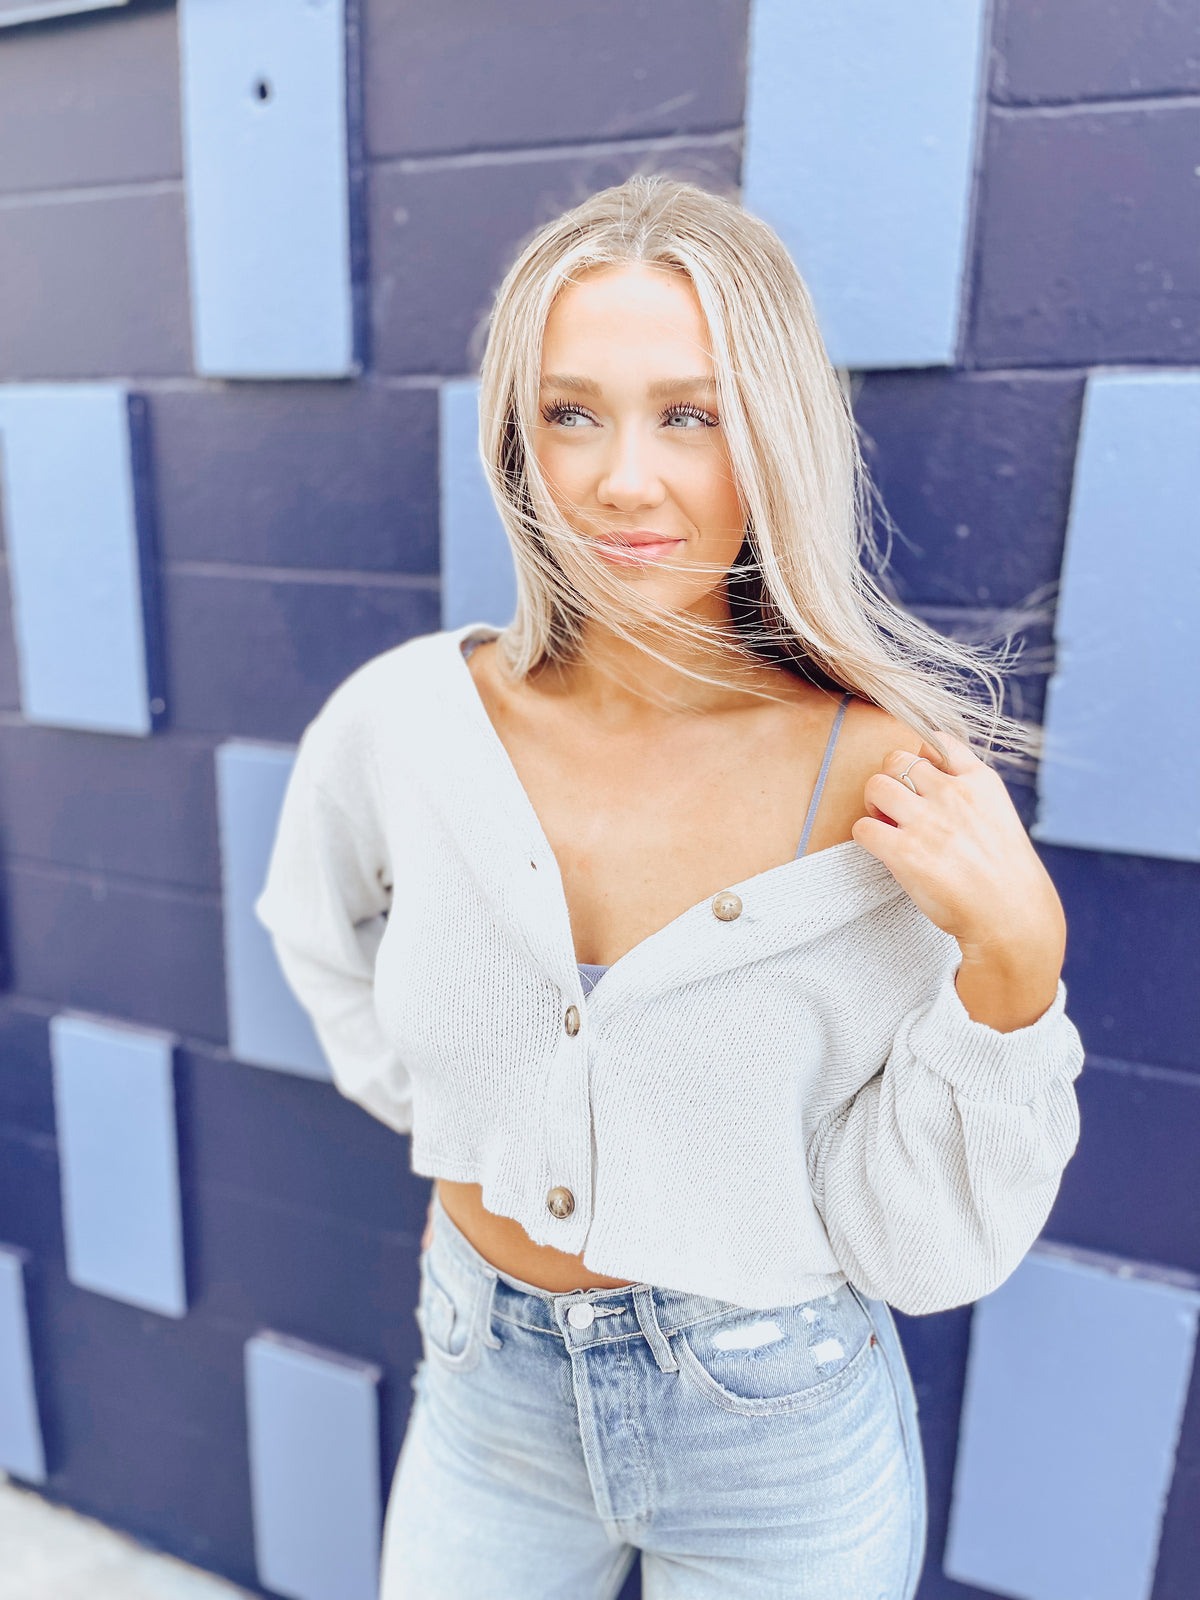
755,1110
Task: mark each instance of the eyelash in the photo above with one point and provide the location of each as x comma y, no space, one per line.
562,408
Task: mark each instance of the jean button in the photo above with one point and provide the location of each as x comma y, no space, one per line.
581,1315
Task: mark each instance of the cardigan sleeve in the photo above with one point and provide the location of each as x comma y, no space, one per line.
325,903
937,1176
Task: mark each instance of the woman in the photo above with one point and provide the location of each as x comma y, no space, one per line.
709,967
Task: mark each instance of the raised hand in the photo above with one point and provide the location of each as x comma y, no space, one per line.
952,839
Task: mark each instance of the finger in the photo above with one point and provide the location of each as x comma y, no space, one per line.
894,799
877,838
923,776
958,760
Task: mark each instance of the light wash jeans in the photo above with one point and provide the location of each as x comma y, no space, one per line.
748,1455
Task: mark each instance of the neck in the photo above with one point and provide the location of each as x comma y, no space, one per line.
616,678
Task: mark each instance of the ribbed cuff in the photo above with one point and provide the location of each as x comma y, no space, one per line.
980,1063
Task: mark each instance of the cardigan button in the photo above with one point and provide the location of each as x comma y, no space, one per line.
560,1203
726,906
571,1020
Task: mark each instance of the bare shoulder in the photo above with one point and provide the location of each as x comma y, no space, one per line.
868,737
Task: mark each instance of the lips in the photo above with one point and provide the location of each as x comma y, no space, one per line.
640,548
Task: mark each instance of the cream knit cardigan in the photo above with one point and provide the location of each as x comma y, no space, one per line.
755,1110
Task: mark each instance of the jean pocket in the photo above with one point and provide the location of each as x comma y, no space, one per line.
448,1316
786,1359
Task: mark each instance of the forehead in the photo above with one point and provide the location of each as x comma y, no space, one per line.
632,307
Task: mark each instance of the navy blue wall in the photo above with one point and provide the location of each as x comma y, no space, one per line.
296,535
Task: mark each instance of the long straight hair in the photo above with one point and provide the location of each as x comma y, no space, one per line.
807,590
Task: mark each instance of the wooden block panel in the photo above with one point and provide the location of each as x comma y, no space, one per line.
114,1098
1076,1383
267,1025
860,141
313,1423
71,525
267,176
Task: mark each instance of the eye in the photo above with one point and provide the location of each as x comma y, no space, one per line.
685,418
565,414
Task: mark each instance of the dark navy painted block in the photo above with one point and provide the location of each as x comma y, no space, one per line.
325,1279
75,564
94,286
95,944
313,1422
91,104
21,1450
1133,1185
442,239
1137,487
145,1421
135,807
10,689
1179,1549
114,1097
29,1214
26,1090
479,582
976,474
1082,255
467,76
293,1142
267,177
860,146
267,1024
1133,951
290,475
258,657
15,12
1085,49
1078,1373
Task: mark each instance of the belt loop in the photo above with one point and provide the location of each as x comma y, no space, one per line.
643,1305
487,1296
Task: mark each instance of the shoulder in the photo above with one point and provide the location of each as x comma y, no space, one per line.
868,736
385,700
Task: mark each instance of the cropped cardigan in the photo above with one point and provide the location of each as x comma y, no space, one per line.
755,1108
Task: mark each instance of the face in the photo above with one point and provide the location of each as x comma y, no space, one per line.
629,437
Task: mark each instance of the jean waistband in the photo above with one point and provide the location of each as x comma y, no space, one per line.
615,1313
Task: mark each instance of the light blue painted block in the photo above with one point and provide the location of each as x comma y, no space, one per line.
114,1101
860,142
267,1024
1122,763
479,583
267,180
70,520
313,1422
1076,1383
21,1450
14,11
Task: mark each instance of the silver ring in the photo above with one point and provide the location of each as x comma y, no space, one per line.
904,776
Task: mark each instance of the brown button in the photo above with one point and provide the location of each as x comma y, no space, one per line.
560,1203
726,906
571,1020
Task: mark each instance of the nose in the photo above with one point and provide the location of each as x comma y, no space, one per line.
629,480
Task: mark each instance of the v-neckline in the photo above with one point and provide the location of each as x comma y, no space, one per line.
459,637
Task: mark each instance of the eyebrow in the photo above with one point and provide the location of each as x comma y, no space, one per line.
657,391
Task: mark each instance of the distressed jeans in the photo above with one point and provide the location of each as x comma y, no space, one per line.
745,1454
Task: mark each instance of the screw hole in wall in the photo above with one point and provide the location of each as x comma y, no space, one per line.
263,90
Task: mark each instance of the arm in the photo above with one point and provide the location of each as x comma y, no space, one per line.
327,890
937,1176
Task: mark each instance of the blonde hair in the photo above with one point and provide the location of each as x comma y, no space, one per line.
807,590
